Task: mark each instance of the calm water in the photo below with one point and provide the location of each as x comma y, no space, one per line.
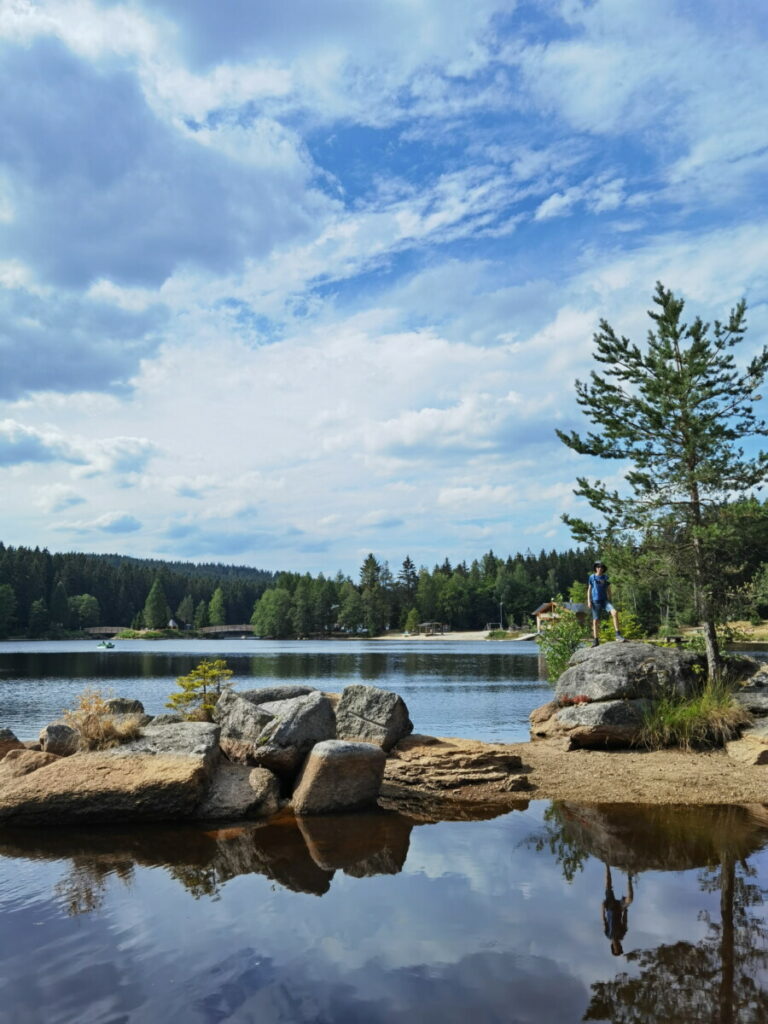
479,690
551,913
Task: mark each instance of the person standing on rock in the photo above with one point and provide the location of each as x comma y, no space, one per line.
599,601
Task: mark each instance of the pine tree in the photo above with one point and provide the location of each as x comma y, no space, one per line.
199,691
60,611
201,615
676,409
217,612
156,610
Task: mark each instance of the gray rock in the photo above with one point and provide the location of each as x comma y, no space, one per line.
752,747
237,791
125,706
270,693
183,739
276,735
604,724
372,715
631,670
166,719
58,738
339,776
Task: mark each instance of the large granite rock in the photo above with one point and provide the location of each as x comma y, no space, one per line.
277,734
8,742
195,740
371,715
238,791
609,724
339,776
125,706
285,691
751,747
753,698
99,787
628,671
22,762
61,739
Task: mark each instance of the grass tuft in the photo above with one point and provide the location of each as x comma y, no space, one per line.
100,728
707,720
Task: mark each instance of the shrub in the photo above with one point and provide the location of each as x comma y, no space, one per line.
200,690
100,728
559,640
709,719
631,628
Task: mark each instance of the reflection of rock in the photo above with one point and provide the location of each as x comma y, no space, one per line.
372,843
239,791
630,670
599,725
339,776
451,772
371,715
659,837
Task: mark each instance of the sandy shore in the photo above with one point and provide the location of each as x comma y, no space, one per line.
479,634
651,777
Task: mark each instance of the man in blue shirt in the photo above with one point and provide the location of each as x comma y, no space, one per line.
599,601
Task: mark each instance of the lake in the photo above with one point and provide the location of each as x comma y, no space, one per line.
550,913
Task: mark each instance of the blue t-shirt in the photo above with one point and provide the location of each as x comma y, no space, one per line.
598,588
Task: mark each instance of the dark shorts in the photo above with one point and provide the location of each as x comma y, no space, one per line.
600,608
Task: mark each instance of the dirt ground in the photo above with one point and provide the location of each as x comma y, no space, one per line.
651,777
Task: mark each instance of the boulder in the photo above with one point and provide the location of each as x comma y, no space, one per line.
276,735
237,791
125,706
599,725
195,740
166,719
61,739
372,715
99,787
339,776
22,762
629,671
269,693
753,698
8,742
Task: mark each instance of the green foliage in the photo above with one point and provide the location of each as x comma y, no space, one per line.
272,614
84,611
559,640
7,608
217,612
200,689
201,620
631,628
185,613
156,611
676,410
60,609
708,719
412,621
39,620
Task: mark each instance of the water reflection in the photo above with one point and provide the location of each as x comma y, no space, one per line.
715,980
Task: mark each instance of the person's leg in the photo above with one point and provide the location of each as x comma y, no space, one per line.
595,625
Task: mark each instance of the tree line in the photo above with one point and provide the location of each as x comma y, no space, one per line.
43,593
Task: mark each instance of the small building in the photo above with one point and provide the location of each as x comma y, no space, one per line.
432,628
548,612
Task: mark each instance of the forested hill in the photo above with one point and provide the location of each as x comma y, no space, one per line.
40,590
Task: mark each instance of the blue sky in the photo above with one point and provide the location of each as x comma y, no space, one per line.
281,284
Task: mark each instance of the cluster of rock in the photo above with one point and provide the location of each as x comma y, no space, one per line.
603,698
264,748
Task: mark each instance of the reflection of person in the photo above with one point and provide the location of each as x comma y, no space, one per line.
615,913
599,601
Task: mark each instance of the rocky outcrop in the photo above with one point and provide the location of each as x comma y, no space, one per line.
125,706
628,671
97,787
371,715
276,734
604,696
752,746
22,762
8,742
753,698
339,776
195,740
424,769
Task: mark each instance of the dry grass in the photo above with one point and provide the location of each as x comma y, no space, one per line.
100,728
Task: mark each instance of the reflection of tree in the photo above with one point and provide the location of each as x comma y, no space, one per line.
715,980
199,880
84,887
569,854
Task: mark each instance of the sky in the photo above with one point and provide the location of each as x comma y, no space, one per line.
285,283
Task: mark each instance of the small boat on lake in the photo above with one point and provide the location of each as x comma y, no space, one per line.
106,645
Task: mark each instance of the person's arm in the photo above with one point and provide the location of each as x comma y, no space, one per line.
589,594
